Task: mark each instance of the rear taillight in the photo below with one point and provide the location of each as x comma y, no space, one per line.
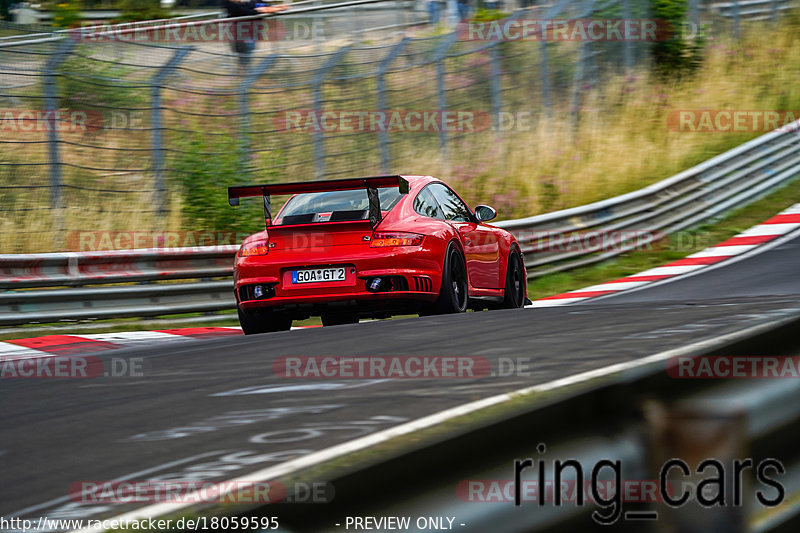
383,239
254,248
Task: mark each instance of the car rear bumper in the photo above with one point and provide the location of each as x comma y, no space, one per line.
418,267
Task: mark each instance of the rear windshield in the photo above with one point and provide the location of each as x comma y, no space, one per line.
334,206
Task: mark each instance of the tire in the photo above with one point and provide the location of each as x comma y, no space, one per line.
263,321
514,292
337,319
453,295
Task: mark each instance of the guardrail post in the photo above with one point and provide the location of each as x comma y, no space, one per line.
737,15
383,134
244,107
158,135
51,107
774,11
441,96
317,21
319,138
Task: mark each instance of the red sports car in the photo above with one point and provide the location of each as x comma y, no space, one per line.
372,247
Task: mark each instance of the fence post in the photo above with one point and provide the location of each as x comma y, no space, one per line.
628,45
244,107
155,119
383,134
51,108
496,89
319,138
577,80
694,15
544,64
544,68
441,97
736,18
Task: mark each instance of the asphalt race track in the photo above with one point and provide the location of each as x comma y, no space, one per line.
215,410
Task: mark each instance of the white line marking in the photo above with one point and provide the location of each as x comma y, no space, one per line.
164,466
553,303
768,229
12,351
134,337
271,389
621,282
727,251
669,270
613,286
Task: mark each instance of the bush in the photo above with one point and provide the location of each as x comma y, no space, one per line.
136,10
204,166
87,83
66,14
677,56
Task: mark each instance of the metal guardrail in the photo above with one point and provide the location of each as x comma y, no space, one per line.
752,9
698,194
195,266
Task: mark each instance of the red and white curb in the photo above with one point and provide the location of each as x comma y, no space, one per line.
82,344
777,226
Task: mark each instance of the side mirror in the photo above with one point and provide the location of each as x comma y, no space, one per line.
485,213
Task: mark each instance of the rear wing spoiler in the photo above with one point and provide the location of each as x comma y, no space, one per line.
370,184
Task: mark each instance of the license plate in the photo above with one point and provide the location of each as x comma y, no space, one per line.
318,275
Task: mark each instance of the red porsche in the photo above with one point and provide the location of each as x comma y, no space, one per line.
372,247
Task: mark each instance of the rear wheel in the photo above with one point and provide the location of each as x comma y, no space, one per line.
337,319
453,295
514,293
263,321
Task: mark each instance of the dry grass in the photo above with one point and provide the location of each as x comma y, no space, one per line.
621,142
44,230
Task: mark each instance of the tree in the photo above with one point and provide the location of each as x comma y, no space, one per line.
675,56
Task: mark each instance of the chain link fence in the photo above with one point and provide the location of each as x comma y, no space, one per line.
119,133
